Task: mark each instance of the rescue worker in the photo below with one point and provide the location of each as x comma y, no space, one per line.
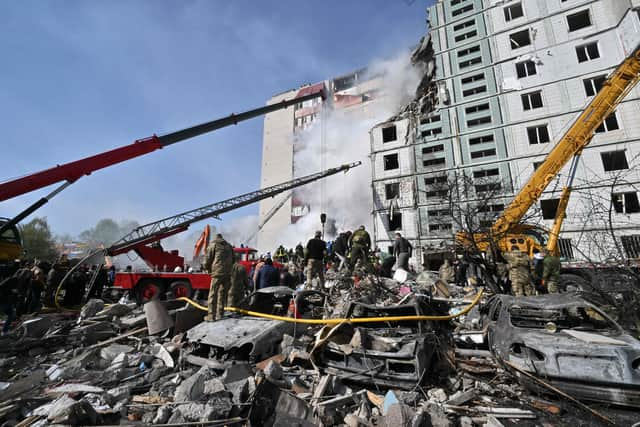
360,244
402,250
281,254
519,272
268,275
256,270
239,283
299,253
315,252
340,249
537,270
446,272
551,272
219,263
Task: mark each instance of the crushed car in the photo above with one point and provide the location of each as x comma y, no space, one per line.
570,343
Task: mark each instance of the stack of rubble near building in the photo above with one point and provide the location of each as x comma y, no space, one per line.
160,364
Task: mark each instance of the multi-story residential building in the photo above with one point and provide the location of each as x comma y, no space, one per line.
511,77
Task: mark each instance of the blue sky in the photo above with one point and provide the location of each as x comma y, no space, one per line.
80,77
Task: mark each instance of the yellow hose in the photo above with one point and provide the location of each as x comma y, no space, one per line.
473,303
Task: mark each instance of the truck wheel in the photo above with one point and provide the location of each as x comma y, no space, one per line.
148,290
573,282
180,289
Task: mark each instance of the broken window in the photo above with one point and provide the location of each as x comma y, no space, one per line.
440,227
483,153
474,91
438,212
594,84
538,134
491,208
512,12
549,208
525,68
625,202
346,82
578,317
439,194
471,79
431,132
430,119
391,162
470,62
631,245
566,249
481,139
490,186
579,20
520,39
433,162
478,121
614,160
469,50
389,134
442,179
531,100
476,108
587,52
395,221
391,191
462,10
465,24
609,124
485,173
465,36
433,149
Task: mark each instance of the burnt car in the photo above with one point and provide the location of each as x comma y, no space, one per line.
250,338
570,343
389,354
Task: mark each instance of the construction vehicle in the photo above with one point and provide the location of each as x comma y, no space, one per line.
145,241
508,231
68,173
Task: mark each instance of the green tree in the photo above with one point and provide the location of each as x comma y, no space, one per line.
107,231
38,240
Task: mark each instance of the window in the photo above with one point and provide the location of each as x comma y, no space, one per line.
490,186
470,62
531,100
437,194
434,149
587,52
465,24
538,135
483,153
431,132
440,227
631,245
594,84
512,12
465,36
431,119
478,121
579,20
609,124
520,39
476,108
433,162
525,69
468,51
625,202
491,208
471,79
566,249
485,173
481,139
391,191
395,222
474,91
536,165
455,2
614,161
389,134
462,10
442,179
391,162
549,208
438,212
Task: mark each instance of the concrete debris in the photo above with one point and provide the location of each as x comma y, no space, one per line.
106,366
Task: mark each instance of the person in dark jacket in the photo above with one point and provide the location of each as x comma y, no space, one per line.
340,247
314,255
402,250
268,275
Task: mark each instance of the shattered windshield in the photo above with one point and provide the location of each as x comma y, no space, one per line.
572,317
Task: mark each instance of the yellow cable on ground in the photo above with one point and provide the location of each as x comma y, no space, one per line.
473,303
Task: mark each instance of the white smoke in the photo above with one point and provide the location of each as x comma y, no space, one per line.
342,136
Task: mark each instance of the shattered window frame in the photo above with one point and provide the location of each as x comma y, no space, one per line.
576,21
389,134
614,160
587,52
549,208
391,162
513,11
520,39
391,190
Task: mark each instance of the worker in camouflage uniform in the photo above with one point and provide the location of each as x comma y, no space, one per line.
550,272
239,283
519,272
219,263
360,244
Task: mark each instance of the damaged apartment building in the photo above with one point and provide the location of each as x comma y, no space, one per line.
509,77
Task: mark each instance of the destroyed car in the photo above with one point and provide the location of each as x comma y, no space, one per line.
391,354
251,338
570,343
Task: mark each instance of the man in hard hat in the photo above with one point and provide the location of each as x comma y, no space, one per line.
219,263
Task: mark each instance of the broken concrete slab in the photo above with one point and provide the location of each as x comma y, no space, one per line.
158,318
91,308
213,386
36,327
113,350
163,354
74,389
192,388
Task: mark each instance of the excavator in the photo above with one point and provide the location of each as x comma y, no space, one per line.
508,230
68,173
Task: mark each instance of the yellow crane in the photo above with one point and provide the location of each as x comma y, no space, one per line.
508,230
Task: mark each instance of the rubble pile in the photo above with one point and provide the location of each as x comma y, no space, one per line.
160,364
